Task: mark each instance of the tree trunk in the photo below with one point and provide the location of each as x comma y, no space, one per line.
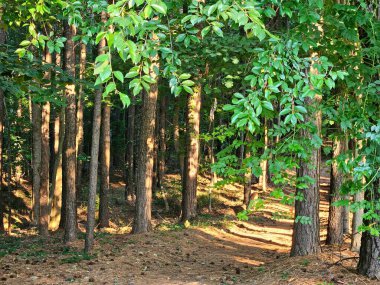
79,137
335,220
130,185
176,137
43,224
69,153
105,159
357,219
89,241
142,222
189,188
162,141
36,162
369,257
56,188
306,239
264,163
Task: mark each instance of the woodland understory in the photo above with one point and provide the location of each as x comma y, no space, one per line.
189,142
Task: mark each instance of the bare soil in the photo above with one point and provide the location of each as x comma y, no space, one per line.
214,249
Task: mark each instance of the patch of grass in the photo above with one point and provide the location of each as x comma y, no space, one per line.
305,262
285,275
9,245
170,227
34,253
261,269
75,257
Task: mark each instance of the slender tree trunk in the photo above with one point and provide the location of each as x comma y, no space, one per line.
306,236
79,137
142,222
130,187
335,220
176,136
105,160
45,158
162,141
264,163
369,257
189,188
36,162
56,188
89,241
69,153
358,215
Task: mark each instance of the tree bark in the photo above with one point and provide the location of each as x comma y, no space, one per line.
142,222
357,219
43,224
105,160
79,135
176,137
162,141
369,257
36,162
189,188
335,220
89,240
69,154
264,163
130,185
56,188
306,239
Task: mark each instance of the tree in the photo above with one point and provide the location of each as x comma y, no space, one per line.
45,156
69,153
90,226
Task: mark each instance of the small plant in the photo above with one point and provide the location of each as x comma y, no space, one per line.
285,275
305,262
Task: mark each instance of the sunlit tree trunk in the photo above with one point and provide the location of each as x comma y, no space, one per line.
357,219
144,171
105,160
79,135
264,163
43,224
335,220
69,153
189,188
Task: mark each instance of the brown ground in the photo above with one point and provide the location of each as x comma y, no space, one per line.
216,249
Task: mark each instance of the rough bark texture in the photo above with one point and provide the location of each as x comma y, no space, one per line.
43,224
79,138
36,162
144,172
56,187
176,137
306,238
335,220
69,153
105,160
130,185
264,163
189,188
369,257
90,226
162,141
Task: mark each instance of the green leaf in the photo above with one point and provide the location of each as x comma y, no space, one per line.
268,105
124,98
184,76
160,7
110,87
119,76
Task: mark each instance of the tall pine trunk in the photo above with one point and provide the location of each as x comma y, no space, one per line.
36,162
69,153
189,187
144,172
2,115
45,157
335,220
105,160
306,236
79,136
90,226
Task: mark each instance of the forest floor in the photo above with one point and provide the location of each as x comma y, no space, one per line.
217,248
